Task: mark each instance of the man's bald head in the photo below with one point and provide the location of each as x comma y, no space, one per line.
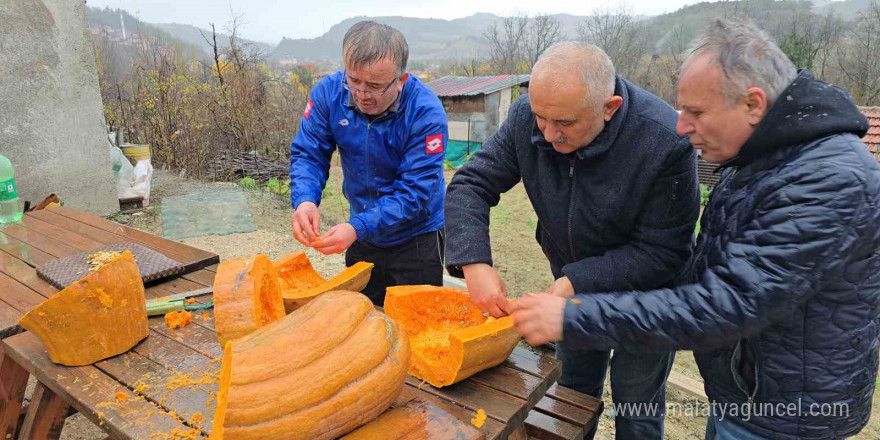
563,63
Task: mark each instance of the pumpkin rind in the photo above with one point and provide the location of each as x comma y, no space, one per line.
300,283
96,317
247,296
451,340
317,373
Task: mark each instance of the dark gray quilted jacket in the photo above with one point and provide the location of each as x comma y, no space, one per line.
783,305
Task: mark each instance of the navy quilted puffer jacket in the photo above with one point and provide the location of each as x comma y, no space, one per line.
783,305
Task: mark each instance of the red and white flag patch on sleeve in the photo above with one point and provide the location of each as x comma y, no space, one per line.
308,110
434,144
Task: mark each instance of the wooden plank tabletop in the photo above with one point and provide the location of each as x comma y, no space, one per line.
171,377
58,232
176,372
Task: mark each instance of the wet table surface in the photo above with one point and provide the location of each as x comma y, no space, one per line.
166,386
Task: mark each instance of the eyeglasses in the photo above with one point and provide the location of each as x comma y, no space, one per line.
366,93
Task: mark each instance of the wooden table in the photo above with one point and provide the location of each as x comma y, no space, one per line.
171,376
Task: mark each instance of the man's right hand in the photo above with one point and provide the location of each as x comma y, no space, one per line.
306,223
486,289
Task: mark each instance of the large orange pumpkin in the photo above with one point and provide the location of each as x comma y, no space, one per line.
101,315
316,374
300,283
247,296
450,338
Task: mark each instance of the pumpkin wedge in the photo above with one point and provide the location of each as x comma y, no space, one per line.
450,338
416,420
300,283
247,296
316,374
99,316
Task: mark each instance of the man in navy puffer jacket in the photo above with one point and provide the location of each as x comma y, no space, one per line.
782,308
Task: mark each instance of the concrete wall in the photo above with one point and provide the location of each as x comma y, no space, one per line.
458,126
504,106
51,120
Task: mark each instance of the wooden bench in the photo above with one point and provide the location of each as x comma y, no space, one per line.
563,414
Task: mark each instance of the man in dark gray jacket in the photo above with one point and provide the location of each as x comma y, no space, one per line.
782,308
616,195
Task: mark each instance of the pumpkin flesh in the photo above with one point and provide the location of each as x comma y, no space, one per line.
451,339
99,316
247,296
300,283
317,373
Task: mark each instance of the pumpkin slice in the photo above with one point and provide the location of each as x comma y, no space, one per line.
450,338
300,283
247,296
99,316
416,420
316,374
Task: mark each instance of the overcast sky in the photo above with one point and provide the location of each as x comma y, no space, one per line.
269,20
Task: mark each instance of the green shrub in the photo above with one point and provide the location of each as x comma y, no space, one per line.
704,194
248,183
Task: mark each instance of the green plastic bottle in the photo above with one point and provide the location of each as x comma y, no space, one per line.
11,206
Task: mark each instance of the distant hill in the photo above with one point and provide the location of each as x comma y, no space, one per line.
193,34
113,18
847,9
184,34
437,39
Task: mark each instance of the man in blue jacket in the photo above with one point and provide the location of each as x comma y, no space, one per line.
616,195
782,305
391,133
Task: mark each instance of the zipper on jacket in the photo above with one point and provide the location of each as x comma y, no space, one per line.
367,163
571,208
750,398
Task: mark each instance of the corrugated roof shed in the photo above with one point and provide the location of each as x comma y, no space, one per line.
474,85
872,139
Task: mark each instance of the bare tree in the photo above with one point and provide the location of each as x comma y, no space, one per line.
859,57
507,43
543,31
616,32
215,48
469,66
806,38
830,32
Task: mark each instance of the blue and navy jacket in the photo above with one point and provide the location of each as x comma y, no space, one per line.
392,166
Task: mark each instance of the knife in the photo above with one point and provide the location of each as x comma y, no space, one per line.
177,301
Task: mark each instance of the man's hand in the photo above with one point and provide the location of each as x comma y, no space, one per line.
306,223
538,317
486,289
561,287
336,240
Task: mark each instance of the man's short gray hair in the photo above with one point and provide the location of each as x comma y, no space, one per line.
367,42
747,57
591,62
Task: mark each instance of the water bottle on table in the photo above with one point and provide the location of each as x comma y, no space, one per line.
11,206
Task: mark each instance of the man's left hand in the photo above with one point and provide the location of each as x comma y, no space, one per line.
561,287
336,240
539,317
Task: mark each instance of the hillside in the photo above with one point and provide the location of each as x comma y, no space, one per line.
437,39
